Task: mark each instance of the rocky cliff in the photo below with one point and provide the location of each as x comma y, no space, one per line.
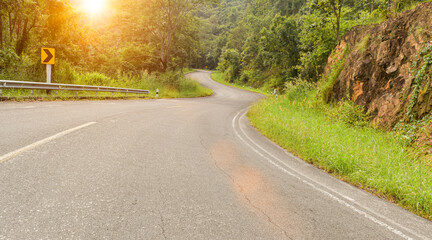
380,65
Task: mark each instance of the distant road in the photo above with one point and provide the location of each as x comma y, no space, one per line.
172,169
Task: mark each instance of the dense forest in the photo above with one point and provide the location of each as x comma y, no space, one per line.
110,39
266,43
262,43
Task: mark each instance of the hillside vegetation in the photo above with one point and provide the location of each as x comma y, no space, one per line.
355,82
386,70
266,43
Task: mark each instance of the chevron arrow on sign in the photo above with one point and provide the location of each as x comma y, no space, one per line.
48,55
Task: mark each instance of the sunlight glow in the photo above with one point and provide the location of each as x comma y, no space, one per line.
93,6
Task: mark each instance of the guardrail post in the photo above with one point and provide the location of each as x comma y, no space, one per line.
157,92
31,92
1,92
77,93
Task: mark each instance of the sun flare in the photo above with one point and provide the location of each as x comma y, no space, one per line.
93,6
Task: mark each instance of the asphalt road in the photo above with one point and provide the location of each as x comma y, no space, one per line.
172,169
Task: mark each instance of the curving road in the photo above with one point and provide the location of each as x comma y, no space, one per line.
172,169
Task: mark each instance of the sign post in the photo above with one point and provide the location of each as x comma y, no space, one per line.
48,69
48,58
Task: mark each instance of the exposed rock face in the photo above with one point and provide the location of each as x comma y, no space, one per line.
377,71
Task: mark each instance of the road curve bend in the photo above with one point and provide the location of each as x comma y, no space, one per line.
172,169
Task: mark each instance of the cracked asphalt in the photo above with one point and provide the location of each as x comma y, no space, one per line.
172,169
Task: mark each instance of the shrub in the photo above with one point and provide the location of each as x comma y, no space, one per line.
230,64
94,78
350,113
298,89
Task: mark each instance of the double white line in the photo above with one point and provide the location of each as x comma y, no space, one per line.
331,193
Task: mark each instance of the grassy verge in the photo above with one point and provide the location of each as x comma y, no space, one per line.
219,77
170,85
338,140
368,158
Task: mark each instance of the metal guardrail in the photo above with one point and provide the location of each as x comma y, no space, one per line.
8,84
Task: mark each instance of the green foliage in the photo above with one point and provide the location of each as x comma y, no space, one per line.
230,64
349,112
328,81
269,56
282,40
407,132
363,44
220,78
317,41
8,59
65,73
420,76
280,45
332,9
93,78
299,90
134,58
133,38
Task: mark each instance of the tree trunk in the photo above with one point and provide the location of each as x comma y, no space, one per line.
1,31
338,17
20,45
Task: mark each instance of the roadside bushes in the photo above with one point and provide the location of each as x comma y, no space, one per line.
9,60
230,64
13,67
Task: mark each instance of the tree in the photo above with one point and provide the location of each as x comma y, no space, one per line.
331,7
281,45
230,64
22,17
164,21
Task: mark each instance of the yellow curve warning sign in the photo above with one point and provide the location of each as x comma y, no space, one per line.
48,56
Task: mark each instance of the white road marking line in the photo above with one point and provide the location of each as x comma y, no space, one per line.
332,190
10,155
174,107
28,107
301,177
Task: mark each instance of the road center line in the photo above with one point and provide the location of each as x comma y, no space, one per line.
312,183
174,107
10,155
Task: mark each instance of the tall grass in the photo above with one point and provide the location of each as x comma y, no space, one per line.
366,157
220,78
170,84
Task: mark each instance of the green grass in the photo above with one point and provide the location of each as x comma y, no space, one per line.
170,85
219,77
366,157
